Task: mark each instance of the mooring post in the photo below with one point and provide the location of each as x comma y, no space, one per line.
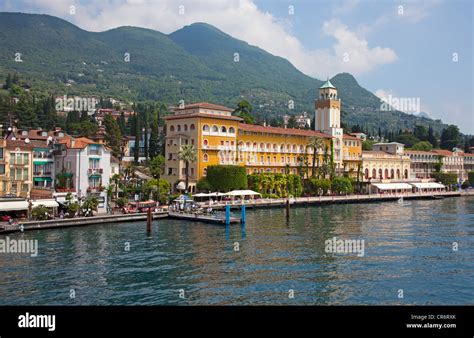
227,214
243,214
149,220
288,208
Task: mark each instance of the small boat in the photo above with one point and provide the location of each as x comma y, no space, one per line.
437,197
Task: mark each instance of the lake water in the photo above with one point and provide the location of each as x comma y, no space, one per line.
408,248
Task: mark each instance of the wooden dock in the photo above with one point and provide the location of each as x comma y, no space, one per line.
79,221
202,218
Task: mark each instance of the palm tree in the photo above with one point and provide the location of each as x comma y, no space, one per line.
316,143
188,154
116,179
244,110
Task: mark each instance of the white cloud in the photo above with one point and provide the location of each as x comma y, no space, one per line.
239,18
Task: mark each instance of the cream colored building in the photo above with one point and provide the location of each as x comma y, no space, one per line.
386,163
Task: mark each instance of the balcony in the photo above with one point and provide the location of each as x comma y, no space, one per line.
93,189
95,171
42,173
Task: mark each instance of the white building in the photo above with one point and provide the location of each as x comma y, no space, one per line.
86,165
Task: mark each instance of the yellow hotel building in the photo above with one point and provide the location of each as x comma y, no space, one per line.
221,138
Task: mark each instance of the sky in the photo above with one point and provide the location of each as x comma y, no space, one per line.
399,49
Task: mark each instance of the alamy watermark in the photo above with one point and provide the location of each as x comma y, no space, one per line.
19,246
404,104
345,246
76,103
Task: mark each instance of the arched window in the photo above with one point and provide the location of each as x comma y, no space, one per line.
192,127
205,143
269,147
205,128
205,158
205,172
406,173
232,130
179,127
398,173
386,173
380,174
215,129
392,174
171,128
262,146
374,173
366,173
223,129
185,127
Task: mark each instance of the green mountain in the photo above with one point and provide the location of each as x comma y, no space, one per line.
195,63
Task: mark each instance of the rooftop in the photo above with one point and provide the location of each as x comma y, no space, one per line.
205,105
327,84
282,131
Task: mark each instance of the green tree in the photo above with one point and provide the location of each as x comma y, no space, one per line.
292,122
407,139
432,138
157,165
136,149
154,137
316,143
342,185
450,137
187,154
421,133
423,146
244,111
113,135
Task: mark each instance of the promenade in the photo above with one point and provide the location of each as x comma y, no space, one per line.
257,203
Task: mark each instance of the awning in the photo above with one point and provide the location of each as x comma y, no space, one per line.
46,203
211,194
392,186
428,185
242,193
42,179
13,205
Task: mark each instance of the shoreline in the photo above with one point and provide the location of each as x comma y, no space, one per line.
261,203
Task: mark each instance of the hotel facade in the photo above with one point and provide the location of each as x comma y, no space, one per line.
222,139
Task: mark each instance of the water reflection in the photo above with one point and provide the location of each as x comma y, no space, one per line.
407,246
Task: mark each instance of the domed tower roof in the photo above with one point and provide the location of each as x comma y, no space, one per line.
327,84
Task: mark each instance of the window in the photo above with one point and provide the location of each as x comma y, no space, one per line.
366,174
205,143
205,127
179,127
224,129
215,129
232,130
185,127
2,169
1,153
205,157
171,128
205,172
192,127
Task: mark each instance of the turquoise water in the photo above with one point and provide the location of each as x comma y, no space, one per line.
408,247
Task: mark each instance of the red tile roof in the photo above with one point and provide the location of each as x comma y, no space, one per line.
214,116
350,137
76,143
282,131
205,105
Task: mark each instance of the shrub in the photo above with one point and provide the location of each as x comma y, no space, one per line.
342,185
226,177
445,178
470,176
465,184
318,186
40,213
121,202
203,185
